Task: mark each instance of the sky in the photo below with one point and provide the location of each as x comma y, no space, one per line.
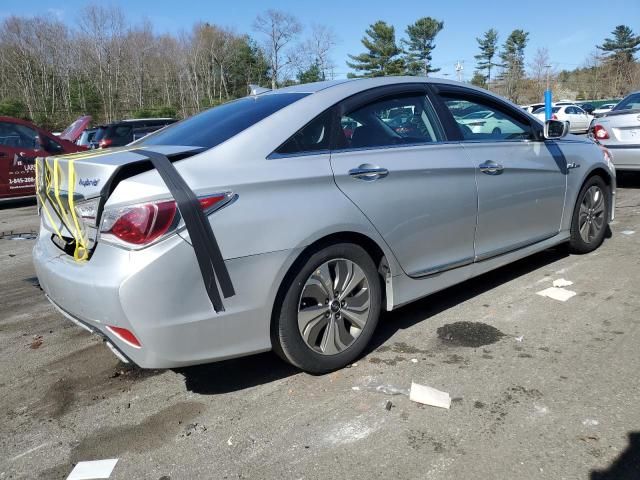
570,30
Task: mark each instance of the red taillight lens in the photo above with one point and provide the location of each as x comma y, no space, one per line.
125,335
140,225
104,143
554,117
600,133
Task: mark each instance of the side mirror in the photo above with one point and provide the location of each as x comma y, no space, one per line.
555,129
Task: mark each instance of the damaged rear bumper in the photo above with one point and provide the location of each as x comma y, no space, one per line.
158,294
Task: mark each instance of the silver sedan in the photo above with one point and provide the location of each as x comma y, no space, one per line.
289,219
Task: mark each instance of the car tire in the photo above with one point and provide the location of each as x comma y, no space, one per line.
496,131
313,333
590,216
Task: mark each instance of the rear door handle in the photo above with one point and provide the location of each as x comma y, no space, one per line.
491,168
368,172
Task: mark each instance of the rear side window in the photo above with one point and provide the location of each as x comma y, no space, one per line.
404,119
218,124
313,137
632,102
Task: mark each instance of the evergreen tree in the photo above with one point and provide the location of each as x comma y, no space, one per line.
419,45
382,56
623,46
312,74
488,45
479,80
512,56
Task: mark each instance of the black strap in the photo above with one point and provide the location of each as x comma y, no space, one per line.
203,240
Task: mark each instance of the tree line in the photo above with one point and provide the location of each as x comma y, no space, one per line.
612,71
111,69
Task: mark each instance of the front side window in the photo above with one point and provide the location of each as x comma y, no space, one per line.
500,125
396,120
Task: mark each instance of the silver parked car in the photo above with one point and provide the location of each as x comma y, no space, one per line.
289,219
619,131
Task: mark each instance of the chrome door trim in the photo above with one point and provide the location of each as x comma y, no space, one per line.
512,248
442,268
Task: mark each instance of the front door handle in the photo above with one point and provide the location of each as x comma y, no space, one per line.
368,172
491,168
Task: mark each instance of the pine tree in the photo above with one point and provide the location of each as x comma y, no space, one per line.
512,56
382,57
419,45
488,49
624,44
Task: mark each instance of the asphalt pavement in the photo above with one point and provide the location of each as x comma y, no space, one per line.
542,389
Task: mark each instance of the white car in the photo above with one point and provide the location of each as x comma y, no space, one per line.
578,119
603,109
486,121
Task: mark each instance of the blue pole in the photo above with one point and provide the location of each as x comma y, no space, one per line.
547,104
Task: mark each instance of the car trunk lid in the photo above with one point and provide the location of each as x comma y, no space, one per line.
72,190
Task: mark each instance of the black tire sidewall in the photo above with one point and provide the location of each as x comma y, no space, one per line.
288,337
578,245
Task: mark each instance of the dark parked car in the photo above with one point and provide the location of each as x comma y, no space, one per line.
587,107
20,143
126,131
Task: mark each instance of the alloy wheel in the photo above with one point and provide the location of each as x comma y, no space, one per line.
591,218
334,306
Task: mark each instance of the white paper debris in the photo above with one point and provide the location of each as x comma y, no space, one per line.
590,422
355,388
556,293
414,360
520,338
429,396
229,442
93,470
628,232
561,282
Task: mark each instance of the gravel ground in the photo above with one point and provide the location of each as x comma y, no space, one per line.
541,388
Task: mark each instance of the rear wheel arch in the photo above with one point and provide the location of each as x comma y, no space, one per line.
367,243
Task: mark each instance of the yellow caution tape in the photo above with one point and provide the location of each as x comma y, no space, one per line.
43,204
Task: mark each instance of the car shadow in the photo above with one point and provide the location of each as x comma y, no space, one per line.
626,466
628,179
241,373
235,374
6,204
420,310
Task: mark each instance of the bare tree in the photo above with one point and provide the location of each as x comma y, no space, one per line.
317,49
280,29
540,68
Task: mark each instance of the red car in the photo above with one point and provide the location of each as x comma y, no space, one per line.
20,143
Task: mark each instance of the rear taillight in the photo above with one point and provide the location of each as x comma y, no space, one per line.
476,124
104,143
139,225
554,117
600,132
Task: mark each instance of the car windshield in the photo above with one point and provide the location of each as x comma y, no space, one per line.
632,102
218,124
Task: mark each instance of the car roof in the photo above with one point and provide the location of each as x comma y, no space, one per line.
363,83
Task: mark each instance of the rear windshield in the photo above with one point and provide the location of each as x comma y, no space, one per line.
214,126
541,110
632,102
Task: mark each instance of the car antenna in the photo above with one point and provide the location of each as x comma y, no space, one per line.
255,90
